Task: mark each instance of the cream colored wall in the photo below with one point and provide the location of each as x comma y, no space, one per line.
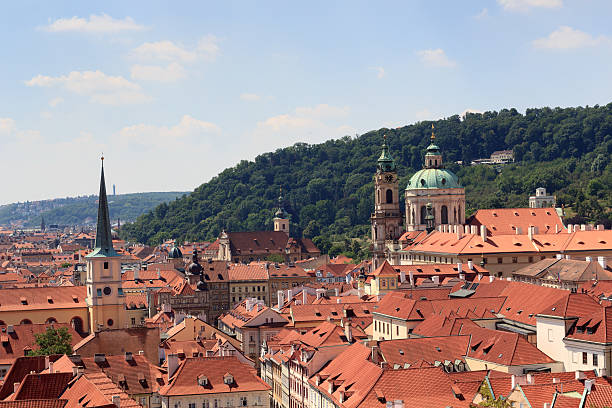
254,399
574,351
398,329
40,316
476,364
550,334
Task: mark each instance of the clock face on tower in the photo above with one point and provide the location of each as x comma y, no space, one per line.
389,178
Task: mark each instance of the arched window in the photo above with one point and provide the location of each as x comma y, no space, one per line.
378,193
389,196
25,321
459,215
77,324
444,215
455,211
430,162
423,214
2,323
51,320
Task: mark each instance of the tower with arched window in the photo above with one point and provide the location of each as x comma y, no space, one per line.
437,186
387,217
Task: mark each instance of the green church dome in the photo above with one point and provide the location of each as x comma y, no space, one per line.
433,178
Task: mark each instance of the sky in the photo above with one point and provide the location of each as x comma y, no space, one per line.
174,92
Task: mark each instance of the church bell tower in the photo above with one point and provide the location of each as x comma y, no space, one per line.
386,218
104,291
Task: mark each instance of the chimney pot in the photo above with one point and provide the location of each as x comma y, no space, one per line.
116,399
15,386
471,265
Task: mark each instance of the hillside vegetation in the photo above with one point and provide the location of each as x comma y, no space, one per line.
328,187
81,210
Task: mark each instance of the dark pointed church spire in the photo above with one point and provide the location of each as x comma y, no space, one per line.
104,241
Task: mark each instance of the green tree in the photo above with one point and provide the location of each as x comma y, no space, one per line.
276,258
53,341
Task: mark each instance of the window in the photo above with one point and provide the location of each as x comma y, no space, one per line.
99,292
500,260
105,265
389,196
531,259
585,358
397,330
192,405
444,215
595,362
205,404
133,321
550,335
514,259
120,291
243,401
216,403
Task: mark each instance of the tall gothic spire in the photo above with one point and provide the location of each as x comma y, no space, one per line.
104,241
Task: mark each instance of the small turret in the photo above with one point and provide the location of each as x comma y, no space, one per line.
385,162
281,218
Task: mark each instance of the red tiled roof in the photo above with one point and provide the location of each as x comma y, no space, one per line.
502,220
429,349
21,367
95,390
240,272
37,403
42,386
185,380
49,298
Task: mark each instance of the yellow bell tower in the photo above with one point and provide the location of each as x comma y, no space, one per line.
104,292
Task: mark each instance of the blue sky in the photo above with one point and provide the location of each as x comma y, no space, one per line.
174,92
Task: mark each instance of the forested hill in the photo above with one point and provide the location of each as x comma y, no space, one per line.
328,187
81,210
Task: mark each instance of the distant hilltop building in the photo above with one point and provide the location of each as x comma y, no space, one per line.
497,157
541,199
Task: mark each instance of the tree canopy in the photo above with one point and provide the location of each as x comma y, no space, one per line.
53,341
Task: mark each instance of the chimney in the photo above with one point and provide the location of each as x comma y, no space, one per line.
158,274
75,371
530,233
568,257
136,274
46,362
337,292
51,367
529,379
579,375
398,404
402,276
411,275
289,294
491,278
435,280
588,384
601,260
513,382
582,227
470,265
348,332
599,227
304,296
116,400
15,386
518,230
459,231
281,301
459,267
374,355
172,362
588,259
473,229
546,405
338,300
559,256
483,233
462,276
556,228
569,229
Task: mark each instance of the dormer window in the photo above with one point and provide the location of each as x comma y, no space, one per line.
228,379
202,380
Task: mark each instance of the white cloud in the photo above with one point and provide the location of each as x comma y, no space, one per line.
525,5
565,38
171,73
435,58
9,129
46,115
101,88
160,136
95,24
251,97
7,126
311,124
207,48
55,101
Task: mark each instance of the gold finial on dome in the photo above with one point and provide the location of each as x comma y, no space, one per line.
433,135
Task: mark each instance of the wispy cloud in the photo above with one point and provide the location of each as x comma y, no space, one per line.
526,5
484,13
435,58
101,88
170,73
55,101
565,38
94,24
380,72
151,136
